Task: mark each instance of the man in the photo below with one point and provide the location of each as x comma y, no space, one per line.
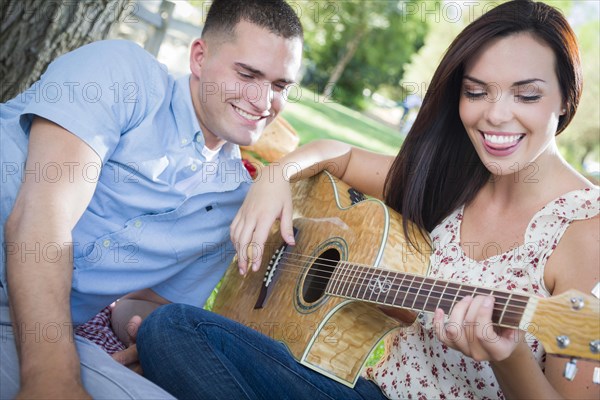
118,180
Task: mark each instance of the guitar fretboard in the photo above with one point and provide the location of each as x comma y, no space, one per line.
415,292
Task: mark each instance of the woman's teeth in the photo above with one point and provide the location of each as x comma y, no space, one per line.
495,139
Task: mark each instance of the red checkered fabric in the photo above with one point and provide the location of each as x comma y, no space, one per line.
99,331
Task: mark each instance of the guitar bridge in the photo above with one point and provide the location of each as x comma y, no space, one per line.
270,274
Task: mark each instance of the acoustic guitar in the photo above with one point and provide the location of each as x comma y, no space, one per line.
324,307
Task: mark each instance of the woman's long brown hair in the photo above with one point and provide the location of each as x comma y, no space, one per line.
437,169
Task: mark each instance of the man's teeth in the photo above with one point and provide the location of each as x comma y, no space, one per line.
495,139
246,115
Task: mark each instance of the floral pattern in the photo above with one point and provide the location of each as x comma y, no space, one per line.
418,366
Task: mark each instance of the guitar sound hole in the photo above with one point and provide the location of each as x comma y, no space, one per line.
318,275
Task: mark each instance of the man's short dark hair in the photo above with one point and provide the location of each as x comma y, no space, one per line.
275,15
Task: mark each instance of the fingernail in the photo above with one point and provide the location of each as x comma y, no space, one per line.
290,239
241,271
487,302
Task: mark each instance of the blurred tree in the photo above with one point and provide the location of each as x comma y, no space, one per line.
33,33
353,45
581,139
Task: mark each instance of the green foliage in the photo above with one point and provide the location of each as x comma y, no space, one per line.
376,354
581,139
386,36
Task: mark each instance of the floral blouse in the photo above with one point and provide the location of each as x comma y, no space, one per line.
418,366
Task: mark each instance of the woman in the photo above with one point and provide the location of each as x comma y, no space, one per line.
480,170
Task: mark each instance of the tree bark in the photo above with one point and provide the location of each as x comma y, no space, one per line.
342,63
35,32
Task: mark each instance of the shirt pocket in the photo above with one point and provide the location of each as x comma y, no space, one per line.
200,234
143,242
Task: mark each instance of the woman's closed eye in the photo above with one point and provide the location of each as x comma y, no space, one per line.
528,99
474,94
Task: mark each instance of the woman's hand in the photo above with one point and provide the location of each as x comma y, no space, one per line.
269,199
469,329
129,356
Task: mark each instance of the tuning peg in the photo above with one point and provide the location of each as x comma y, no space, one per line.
570,369
596,377
596,290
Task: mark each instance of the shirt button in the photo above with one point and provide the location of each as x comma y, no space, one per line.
137,223
198,138
194,167
106,243
184,141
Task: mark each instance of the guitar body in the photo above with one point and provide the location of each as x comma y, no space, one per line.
332,335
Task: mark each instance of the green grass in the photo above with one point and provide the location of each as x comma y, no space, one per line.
315,118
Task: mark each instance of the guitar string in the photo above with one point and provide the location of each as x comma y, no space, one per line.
509,308
363,285
512,305
370,269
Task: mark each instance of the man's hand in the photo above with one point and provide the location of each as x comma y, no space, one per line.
129,356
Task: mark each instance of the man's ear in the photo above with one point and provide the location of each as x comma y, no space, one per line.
197,55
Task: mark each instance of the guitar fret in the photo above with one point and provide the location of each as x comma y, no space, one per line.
384,286
442,296
500,300
432,284
344,284
391,288
352,282
364,284
417,292
373,283
408,291
398,290
356,279
335,278
514,310
455,300
359,282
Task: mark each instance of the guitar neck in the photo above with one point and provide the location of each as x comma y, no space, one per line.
418,293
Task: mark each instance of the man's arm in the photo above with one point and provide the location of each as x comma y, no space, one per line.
39,271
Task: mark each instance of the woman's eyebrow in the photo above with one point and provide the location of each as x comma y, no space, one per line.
518,83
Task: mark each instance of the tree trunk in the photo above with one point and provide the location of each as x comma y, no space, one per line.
35,32
342,63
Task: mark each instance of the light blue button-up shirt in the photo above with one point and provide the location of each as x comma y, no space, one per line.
160,215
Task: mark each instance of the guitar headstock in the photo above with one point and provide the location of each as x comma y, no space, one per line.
567,324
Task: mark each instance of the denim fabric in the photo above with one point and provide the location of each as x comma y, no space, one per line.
102,376
196,354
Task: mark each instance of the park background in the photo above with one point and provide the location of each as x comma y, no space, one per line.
363,59
366,63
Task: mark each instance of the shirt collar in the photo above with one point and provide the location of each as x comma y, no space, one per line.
188,126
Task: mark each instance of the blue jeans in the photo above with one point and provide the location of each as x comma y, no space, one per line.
102,377
197,354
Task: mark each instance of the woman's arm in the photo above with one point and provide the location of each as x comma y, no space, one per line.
270,196
574,264
517,371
